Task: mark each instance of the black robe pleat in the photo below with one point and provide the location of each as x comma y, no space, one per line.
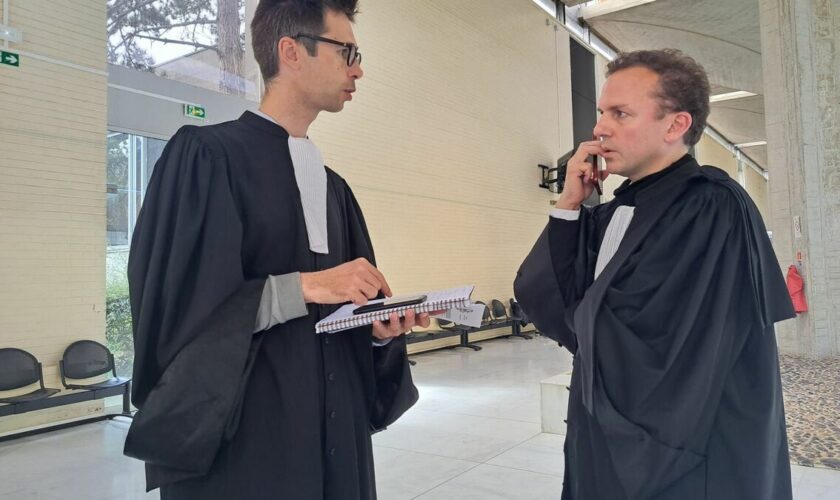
225,413
675,389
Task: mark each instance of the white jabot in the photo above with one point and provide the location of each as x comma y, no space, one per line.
311,178
618,225
612,238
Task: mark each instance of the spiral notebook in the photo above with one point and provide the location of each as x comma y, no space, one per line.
344,319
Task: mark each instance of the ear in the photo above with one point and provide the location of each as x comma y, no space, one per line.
289,52
680,123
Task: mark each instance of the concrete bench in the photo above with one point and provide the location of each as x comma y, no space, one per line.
554,402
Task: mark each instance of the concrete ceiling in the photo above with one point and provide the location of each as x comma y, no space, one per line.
722,35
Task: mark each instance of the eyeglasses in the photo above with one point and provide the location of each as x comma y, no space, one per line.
351,51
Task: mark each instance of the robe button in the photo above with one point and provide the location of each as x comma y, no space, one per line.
326,340
332,451
331,376
332,414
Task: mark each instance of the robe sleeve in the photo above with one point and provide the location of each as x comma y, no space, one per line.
193,311
670,328
548,283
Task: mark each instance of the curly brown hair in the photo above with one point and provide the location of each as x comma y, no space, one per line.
683,84
274,19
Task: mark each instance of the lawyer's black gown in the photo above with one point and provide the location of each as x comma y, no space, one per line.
225,413
675,390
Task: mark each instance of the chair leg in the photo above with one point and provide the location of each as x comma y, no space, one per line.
516,328
465,342
127,401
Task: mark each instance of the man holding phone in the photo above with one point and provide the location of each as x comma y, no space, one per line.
666,296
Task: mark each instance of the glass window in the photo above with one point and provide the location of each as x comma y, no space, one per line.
198,42
117,189
131,159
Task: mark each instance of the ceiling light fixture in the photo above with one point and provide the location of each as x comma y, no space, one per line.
750,144
738,94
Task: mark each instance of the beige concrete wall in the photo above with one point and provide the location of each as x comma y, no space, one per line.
458,105
710,152
759,190
52,178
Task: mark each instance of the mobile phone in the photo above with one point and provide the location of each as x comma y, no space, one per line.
390,304
596,174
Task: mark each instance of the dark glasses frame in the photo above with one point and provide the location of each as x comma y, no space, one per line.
353,54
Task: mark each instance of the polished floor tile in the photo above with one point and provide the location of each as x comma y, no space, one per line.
542,453
402,474
474,434
489,482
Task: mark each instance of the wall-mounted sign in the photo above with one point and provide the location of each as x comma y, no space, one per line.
9,58
195,111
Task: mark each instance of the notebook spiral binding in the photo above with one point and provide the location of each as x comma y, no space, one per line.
369,318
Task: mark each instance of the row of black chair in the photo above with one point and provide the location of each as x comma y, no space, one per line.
495,316
82,360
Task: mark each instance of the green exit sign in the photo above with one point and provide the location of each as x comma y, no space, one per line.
9,58
195,111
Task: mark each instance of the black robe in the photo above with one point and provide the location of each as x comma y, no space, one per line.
225,413
675,389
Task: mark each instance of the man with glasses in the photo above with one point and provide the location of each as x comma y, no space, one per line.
244,242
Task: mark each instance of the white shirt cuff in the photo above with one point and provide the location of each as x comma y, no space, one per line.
565,214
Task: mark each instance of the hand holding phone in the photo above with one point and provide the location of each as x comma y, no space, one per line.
582,176
390,304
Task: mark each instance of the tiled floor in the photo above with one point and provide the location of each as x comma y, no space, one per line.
475,434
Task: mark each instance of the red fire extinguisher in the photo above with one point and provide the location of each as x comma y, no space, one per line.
796,289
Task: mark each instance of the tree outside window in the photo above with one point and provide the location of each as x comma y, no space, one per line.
200,42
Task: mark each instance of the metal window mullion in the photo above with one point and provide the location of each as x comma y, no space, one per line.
132,183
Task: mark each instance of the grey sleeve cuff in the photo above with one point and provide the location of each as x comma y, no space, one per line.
282,301
380,343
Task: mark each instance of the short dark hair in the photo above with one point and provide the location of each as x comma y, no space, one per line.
274,19
683,84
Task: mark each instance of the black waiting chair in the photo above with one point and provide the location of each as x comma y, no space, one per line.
486,319
517,314
498,311
516,318
85,359
19,369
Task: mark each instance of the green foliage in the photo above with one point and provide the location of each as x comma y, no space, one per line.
118,333
116,281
